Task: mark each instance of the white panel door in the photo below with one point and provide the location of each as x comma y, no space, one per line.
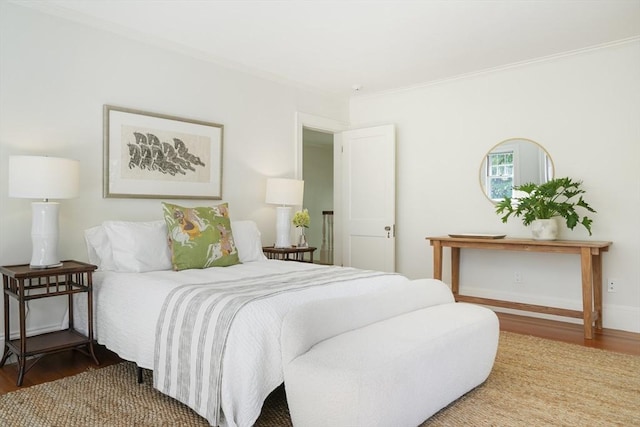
369,184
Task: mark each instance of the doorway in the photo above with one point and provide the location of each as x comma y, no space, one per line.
334,128
317,172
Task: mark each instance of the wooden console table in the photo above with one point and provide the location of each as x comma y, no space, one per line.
590,261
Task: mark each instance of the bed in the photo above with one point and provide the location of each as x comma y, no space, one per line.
133,314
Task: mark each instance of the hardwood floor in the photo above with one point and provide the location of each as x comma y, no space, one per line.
55,366
607,339
69,363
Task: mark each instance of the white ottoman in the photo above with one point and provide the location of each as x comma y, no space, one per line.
393,359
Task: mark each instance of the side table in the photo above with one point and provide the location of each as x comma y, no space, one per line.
293,253
25,284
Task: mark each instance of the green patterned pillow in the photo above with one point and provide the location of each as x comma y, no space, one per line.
200,237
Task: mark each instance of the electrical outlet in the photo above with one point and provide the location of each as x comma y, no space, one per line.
517,277
612,285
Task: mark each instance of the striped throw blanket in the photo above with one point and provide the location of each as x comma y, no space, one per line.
194,324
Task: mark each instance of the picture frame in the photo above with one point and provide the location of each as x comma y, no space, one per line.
158,156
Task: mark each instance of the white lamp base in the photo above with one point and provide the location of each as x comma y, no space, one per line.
44,235
283,227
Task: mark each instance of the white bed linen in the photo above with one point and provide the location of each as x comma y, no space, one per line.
127,306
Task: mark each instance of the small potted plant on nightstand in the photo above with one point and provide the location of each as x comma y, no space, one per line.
541,204
301,220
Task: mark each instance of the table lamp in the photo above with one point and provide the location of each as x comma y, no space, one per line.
284,192
38,177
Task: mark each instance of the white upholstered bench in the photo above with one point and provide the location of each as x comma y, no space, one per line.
391,359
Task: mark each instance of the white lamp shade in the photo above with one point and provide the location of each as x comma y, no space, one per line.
39,177
282,191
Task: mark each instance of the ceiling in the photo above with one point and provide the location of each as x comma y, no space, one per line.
378,45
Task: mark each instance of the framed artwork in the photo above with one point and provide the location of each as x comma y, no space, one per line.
155,156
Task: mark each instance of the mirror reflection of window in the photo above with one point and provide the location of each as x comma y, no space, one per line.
499,175
514,162
548,168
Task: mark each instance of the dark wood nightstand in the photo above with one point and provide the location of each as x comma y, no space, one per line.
289,254
24,284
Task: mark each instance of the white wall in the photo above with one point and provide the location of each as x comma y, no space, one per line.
583,108
55,76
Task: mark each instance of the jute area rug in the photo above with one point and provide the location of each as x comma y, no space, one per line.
534,382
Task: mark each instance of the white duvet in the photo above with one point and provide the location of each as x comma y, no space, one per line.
127,306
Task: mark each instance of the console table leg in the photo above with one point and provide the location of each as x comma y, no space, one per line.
587,291
455,270
437,260
597,289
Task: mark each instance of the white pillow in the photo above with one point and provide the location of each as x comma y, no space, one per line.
99,248
138,246
246,236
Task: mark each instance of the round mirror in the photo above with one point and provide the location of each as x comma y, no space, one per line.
511,163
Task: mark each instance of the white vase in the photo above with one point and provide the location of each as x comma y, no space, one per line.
302,241
544,229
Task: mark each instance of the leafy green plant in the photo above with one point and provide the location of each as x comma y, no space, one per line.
544,201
